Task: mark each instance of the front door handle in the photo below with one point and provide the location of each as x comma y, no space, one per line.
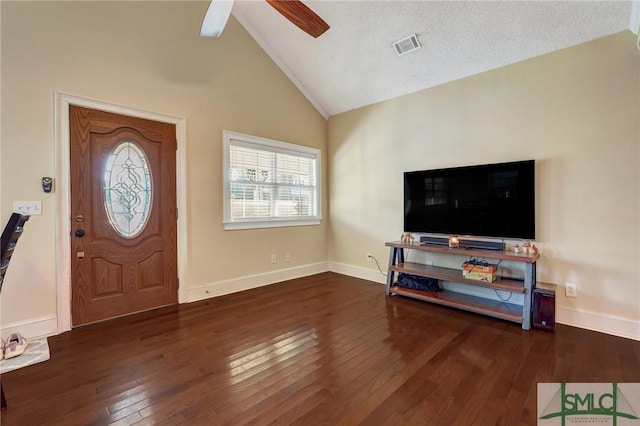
80,233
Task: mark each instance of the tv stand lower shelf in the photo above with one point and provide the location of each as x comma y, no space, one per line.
502,310
499,309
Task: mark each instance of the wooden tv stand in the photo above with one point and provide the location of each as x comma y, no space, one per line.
498,309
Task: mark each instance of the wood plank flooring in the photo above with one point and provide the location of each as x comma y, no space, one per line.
325,349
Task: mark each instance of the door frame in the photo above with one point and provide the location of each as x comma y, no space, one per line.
62,213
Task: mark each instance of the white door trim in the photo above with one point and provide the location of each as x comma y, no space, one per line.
63,196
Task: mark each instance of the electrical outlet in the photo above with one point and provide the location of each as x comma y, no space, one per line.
369,257
274,258
287,257
570,290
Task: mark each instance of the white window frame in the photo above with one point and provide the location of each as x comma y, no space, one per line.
233,138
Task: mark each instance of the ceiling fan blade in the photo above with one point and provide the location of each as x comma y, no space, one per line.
216,18
301,16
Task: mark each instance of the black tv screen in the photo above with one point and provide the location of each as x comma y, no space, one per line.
490,200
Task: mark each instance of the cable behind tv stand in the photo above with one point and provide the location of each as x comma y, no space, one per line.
498,309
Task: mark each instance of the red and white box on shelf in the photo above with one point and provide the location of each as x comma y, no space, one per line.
479,270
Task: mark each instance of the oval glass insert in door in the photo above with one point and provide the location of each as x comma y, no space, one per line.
127,189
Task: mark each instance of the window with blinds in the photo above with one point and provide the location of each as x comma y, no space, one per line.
269,183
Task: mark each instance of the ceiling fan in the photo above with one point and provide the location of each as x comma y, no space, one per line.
294,10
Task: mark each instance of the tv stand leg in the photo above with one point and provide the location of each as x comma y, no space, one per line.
529,280
3,402
392,256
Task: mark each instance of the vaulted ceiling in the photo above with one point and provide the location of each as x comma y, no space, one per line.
354,64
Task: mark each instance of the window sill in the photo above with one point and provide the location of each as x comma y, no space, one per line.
232,226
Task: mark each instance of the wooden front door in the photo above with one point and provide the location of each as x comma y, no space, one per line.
123,215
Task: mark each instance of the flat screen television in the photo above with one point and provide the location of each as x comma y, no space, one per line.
490,200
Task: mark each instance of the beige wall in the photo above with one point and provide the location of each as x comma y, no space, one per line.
576,112
146,55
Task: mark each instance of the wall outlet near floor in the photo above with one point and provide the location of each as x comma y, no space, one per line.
287,257
274,258
369,257
571,290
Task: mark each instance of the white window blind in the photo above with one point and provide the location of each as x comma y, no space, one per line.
269,183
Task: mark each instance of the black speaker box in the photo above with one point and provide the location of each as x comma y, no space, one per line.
437,241
484,245
544,308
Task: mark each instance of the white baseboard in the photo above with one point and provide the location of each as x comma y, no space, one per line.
609,324
32,328
358,272
234,285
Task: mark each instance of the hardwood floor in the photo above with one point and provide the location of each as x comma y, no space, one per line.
325,349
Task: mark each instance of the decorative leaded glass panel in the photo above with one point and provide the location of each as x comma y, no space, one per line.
127,189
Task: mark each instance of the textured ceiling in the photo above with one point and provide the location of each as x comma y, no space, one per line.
353,64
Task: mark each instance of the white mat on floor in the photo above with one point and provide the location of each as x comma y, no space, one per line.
37,351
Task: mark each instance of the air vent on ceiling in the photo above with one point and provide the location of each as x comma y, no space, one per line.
406,45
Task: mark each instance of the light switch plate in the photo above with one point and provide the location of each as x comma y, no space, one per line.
29,208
